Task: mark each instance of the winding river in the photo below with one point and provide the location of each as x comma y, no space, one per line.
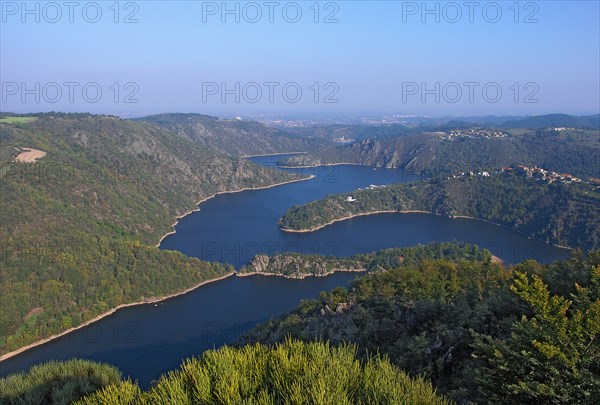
147,340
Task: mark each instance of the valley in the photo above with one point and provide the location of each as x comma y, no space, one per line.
118,284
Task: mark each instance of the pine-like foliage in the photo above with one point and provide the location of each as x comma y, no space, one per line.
292,372
57,382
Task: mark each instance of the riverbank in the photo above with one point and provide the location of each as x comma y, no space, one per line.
312,176
304,275
316,228
273,154
329,164
512,229
110,312
348,164
362,214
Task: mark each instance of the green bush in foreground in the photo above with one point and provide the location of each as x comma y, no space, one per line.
552,356
57,382
292,372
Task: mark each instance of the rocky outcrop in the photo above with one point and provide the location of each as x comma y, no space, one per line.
299,266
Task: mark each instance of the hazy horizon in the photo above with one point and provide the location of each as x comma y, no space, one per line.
299,58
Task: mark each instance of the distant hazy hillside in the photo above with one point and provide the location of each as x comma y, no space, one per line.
354,132
568,151
555,120
530,122
233,137
78,227
414,124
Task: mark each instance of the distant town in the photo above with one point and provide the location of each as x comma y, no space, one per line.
472,133
534,172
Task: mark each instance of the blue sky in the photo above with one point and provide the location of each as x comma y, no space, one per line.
378,58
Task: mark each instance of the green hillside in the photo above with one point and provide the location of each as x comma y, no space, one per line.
296,265
454,150
481,332
442,317
233,137
79,226
560,212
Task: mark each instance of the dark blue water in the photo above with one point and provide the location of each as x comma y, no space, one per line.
232,228
147,340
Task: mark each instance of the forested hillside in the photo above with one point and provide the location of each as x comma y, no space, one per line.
233,137
561,213
446,315
79,225
295,265
479,331
573,151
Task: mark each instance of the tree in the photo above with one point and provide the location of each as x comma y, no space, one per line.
552,356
